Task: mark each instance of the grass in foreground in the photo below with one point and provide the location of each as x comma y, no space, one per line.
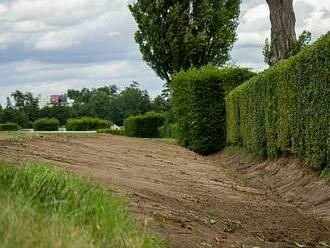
43,207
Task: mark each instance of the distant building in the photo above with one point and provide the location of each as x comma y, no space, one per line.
55,100
43,102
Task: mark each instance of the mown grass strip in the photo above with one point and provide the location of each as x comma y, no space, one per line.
38,199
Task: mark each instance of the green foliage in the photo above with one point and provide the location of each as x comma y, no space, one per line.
175,35
303,40
131,101
66,203
27,103
167,131
61,113
21,225
267,52
15,116
107,103
144,126
87,124
9,126
161,104
46,124
199,105
120,132
286,108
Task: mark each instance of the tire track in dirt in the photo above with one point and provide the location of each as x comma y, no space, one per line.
190,200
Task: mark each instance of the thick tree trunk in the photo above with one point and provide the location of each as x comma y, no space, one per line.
283,35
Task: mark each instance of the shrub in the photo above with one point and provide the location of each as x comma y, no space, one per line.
15,116
144,126
199,105
168,131
120,132
286,108
9,126
87,124
46,124
61,113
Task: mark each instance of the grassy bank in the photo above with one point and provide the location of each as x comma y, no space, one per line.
43,207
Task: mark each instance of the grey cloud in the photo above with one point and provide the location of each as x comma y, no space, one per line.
47,46
303,11
325,13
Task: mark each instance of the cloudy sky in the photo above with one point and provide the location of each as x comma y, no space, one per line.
48,46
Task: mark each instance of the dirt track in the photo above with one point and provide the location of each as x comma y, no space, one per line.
190,200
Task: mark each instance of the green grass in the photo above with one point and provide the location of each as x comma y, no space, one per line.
44,207
14,135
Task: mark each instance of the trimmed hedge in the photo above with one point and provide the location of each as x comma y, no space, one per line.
199,105
144,126
46,124
120,132
286,108
87,124
9,126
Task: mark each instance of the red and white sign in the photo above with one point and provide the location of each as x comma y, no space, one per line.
55,99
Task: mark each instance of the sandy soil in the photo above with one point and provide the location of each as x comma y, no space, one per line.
191,201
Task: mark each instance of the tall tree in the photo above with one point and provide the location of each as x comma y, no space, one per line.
27,103
283,34
177,34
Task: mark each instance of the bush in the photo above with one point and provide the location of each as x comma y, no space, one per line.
199,105
286,108
144,126
61,113
120,132
168,131
46,124
15,116
87,124
9,126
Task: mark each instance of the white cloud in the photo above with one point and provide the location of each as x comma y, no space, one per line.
255,27
42,78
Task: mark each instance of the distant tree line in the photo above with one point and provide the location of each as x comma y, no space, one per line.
106,102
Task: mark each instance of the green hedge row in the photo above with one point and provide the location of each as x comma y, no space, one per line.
144,126
46,124
9,126
199,105
286,108
119,132
87,124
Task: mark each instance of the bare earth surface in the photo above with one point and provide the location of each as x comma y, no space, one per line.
191,201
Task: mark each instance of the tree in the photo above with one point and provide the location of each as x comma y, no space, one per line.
26,103
61,113
131,101
99,104
303,40
283,34
16,116
174,35
9,104
160,104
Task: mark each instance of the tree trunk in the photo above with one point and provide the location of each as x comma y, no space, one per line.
283,37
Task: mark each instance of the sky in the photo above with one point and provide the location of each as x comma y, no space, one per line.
47,46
